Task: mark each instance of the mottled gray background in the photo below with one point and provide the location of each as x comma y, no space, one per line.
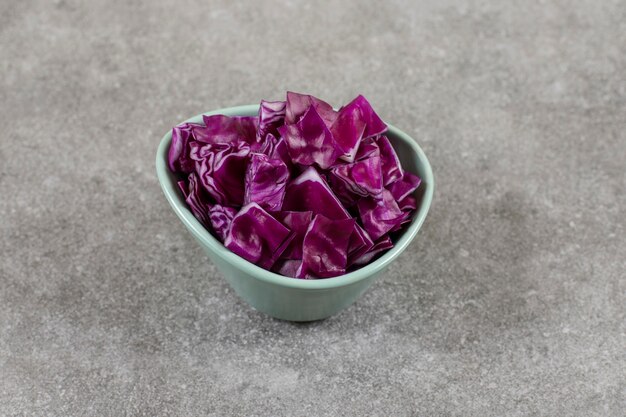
511,301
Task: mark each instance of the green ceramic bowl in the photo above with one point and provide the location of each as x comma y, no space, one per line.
289,298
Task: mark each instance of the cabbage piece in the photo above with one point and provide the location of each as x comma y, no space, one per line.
287,267
404,186
309,192
367,149
265,182
341,187
407,217
382,244
379,216
298,104
281,151
325,248
226,129
257,237
221,168
197,200
360,243
392,170
271,116
342,190
408,203
347,130
363,178
267,146
374,124
221,218
298,222
309,141
215,217
178,155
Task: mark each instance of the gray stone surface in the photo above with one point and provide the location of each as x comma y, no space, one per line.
511,301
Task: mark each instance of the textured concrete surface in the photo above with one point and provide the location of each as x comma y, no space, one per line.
512,301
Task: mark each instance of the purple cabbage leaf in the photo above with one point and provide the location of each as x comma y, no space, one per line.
265,182
257,237
325,248
221,168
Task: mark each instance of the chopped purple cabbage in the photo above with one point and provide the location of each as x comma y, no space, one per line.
222,168
409,203
298,104
221,217
226,129
373,124
300,189
298,223
310,141
405,186
265,182
389,161
257,237
178,155
310,192
362,178
271,117
325,248
382,244
348,129
379,216
197,200
287,267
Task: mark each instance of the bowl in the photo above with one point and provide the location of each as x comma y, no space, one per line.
290,298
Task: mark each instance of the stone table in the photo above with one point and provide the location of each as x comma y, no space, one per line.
511,301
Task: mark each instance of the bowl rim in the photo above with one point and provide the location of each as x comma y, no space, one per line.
170,189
